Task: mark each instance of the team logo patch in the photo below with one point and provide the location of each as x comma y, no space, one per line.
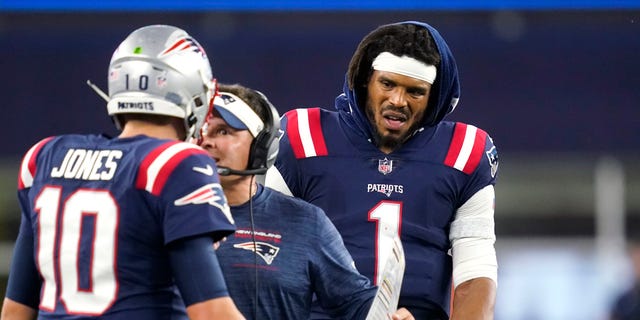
184,44
211,194
266,251
227,99
161,80
385,166
492,155
386,189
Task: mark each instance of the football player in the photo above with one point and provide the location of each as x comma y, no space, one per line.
386,162
123,228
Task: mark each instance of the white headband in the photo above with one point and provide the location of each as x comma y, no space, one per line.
404,65
237,113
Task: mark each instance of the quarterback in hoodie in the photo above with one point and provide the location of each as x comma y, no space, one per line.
385,160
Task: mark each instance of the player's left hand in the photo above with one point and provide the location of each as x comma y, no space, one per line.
216,244
402,314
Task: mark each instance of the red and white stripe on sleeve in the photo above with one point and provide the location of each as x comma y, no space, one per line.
466,148
28,166
305,133
158,165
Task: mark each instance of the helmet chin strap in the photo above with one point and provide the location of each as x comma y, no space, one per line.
189,123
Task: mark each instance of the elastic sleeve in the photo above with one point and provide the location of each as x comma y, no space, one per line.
473,237
341,290
196,269
24,280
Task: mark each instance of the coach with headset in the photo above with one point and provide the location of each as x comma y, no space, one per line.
284,249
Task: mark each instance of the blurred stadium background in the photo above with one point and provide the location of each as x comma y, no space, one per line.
554,83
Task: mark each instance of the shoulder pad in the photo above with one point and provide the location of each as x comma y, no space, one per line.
304,131
466,148
28,165
158,165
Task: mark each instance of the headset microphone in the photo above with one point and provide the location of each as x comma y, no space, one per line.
224,171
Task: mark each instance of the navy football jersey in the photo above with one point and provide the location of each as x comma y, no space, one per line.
297,253
414,190
330,159
101,211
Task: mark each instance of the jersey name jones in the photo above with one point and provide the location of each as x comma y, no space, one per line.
88,164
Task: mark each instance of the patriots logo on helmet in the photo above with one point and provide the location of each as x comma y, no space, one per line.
183,44
265,250
211,194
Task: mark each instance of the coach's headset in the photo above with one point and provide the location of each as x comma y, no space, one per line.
239,115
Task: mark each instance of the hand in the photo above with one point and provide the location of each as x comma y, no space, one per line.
402,314
216,244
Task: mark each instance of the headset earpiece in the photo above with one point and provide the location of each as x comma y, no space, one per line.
264,147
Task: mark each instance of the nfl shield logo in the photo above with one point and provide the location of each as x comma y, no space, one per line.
385,166
161,80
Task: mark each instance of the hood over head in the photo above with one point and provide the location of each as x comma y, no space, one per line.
445,91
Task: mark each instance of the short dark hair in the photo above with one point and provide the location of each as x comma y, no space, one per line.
251,97
264,148
156,119
151,118
408,39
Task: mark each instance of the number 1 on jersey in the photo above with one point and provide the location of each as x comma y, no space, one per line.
388,218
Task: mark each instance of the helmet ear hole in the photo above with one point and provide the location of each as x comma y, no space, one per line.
198,102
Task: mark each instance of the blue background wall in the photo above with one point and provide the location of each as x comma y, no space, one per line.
537,80
559,78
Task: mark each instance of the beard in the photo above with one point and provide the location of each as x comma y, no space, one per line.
390,140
